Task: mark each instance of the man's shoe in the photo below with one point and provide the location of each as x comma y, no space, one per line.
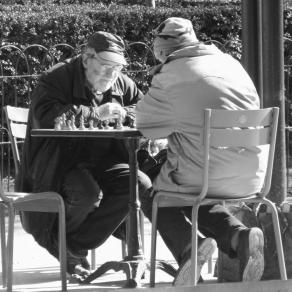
77,266
84,263
250,253
206,248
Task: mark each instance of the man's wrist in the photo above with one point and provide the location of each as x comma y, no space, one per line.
94,113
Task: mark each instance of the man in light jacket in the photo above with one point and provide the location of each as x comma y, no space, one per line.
194,76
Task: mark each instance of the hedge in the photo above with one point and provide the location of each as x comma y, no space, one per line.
49,24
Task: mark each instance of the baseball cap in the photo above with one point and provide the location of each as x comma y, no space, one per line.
176,27
108,46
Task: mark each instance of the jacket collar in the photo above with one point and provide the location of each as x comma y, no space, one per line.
194,51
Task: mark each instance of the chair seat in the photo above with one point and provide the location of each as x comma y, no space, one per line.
176,199
28,196
35,202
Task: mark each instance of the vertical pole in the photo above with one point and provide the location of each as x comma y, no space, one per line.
273,87
252,42
134,237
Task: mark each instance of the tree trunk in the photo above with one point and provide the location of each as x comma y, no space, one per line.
150,3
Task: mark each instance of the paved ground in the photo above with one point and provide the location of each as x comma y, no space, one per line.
35,270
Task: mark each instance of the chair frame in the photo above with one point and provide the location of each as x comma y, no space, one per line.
17,118
20,201
249,128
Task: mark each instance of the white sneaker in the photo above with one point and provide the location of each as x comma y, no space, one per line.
205,251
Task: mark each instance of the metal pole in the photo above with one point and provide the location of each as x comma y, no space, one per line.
252,42
273,87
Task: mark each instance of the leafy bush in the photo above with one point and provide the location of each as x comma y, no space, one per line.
51,24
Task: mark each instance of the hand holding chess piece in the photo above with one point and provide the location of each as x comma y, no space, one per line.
110,111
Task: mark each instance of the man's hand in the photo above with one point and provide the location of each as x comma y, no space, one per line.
110,111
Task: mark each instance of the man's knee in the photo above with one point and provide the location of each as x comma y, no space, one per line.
144,181
79,188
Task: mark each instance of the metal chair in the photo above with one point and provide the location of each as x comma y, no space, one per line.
225,128
20,201
17,118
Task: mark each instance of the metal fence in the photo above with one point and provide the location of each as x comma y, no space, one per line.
20,68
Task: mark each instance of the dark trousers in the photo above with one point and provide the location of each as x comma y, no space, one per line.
88,226
174,225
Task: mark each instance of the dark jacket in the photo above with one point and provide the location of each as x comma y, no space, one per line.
45,161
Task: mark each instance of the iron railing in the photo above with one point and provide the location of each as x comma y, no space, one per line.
20,68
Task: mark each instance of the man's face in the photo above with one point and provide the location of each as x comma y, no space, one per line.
100,73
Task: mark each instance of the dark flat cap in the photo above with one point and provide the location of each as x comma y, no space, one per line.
109,46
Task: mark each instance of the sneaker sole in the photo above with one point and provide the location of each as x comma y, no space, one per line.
254,268
205,252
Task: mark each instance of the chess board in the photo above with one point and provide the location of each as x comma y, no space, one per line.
125,132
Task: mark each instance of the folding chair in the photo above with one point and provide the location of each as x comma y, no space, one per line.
34,202
225,128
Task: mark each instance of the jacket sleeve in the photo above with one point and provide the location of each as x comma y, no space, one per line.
131,95
154,113
53,97
50,99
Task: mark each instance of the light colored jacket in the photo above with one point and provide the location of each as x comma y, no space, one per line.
192,79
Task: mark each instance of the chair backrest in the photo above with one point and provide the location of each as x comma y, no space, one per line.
16,118
240,128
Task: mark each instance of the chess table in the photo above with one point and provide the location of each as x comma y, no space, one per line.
134,264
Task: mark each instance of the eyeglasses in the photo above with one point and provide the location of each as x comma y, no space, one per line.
106,67
111,67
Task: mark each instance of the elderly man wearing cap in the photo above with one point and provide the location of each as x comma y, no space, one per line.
194,76
92,175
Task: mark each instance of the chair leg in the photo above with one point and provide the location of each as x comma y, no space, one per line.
93,259
278,238
62,247
3,244
153,241
194,254
210,262
142,229
10,237
124,248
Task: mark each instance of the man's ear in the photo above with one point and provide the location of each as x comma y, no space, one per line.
84,60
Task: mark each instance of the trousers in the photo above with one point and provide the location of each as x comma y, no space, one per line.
97,202
174,225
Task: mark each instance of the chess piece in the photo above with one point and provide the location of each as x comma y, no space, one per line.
73,123
69,125
99,125
91,127
63,122
57,125
106,124
132,123
118,124
81,123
